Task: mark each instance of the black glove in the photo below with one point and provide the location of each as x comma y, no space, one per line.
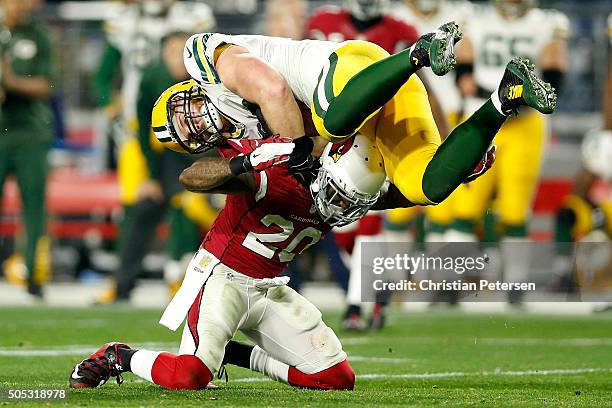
301,159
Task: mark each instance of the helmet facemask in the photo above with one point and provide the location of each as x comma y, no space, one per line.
335,203
193,121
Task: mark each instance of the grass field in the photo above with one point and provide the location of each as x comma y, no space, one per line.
422,359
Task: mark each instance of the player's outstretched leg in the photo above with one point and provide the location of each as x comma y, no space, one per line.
367,90
337,377
177,372
466,145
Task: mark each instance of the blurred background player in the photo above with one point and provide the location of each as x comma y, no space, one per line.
583,214
426,15
26,133
495,34
286,18
366,20
134,40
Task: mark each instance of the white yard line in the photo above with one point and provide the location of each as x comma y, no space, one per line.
487,341
83,349
494,373
73,350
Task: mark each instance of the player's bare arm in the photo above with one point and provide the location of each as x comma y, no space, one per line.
464,53
553,61
235,175
214,175
257,81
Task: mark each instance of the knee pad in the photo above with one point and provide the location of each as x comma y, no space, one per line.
338,377
182,372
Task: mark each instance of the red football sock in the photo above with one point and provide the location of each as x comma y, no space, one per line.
337,377
180,372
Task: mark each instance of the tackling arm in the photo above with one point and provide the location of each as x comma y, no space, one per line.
214,175
258,82
235,175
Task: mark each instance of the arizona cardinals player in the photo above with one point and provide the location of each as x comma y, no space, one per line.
232,282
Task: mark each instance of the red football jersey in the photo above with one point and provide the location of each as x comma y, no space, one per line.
335,24
258,234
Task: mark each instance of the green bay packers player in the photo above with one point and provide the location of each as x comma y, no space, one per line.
495,34
349,87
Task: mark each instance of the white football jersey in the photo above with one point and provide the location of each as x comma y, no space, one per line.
300,62
444,87
138,39
497,40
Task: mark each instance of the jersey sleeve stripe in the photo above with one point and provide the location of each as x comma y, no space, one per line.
263,186
205,60
209,75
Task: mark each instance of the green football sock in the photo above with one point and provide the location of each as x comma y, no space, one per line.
462,225
457,157
516,231
366,92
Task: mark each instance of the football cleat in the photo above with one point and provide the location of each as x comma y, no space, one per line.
520,86
437,49
353,323
378,317
96,369
353,320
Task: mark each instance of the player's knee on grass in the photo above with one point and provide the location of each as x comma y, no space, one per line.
180,372
338,377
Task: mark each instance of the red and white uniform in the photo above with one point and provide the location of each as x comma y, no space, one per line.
260,234
333,23
232,282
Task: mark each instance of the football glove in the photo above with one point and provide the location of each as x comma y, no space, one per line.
301,158
263,157
485,164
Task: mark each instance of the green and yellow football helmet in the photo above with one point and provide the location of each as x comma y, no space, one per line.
185,120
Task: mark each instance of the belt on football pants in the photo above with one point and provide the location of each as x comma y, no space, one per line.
258,283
